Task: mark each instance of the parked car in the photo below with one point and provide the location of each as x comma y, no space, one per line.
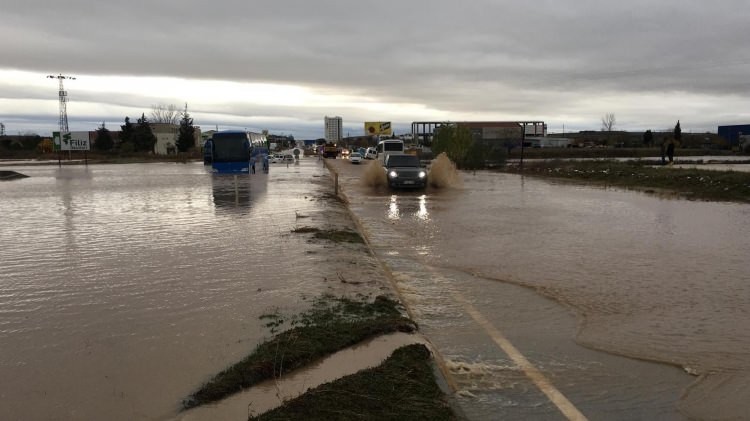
276,158
288,158
355,157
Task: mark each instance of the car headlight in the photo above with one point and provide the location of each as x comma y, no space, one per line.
422,174
393,174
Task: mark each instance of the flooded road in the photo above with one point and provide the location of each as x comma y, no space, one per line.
124,287
624,272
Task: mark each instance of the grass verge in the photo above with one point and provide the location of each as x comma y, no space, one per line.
731,186
337,236
330,325
402,388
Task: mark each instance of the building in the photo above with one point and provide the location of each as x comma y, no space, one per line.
166,137
333,129
506,134
734,135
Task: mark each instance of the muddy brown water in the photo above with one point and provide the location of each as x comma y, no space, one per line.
124,287
649,278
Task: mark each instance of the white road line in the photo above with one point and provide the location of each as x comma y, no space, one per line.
536,376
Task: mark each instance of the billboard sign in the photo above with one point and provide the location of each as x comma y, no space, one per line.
71,141
378,128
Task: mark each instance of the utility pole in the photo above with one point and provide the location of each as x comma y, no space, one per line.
63,94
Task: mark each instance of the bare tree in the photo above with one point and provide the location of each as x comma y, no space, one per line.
608,122
161,113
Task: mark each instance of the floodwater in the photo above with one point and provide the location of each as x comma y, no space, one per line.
649,278
124,287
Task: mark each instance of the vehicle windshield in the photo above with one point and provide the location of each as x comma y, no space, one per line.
230,147
403,161
393,146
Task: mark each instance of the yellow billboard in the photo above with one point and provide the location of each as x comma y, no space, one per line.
378,128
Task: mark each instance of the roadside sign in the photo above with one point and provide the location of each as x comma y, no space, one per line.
71,141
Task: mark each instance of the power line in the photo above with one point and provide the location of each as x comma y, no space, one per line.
63,94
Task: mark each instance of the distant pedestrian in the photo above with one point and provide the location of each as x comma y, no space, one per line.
663,152
670,152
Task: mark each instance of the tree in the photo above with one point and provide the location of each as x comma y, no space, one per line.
161,113
186,136
455,141
648,138
677,132
104,140
127,136
143,138
608,122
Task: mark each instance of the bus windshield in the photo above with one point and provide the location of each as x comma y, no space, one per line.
230,147
393,146
403,161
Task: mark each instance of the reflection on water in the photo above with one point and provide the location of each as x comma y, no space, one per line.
393,212
232,192
411,206
124,287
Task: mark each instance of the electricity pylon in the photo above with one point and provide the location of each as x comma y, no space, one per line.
63,101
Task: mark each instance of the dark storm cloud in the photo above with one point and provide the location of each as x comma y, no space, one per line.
456,56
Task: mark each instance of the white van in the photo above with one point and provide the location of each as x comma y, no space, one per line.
390,147
371,153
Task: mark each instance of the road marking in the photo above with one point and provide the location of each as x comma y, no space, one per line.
555,396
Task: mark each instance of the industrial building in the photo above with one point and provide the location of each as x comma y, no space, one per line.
736,135
506,134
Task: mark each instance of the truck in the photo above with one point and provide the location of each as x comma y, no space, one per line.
330,150
405,171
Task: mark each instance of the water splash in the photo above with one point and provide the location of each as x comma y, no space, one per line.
374,175
443,173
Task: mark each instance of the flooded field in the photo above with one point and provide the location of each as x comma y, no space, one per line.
645,277
124,287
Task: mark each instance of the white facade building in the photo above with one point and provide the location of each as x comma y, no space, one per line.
166,137
333,128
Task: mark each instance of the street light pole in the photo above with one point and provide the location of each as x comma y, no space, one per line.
523,140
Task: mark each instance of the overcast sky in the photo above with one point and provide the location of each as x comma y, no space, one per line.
283,65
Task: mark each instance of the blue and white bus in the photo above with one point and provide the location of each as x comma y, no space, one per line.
231,151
